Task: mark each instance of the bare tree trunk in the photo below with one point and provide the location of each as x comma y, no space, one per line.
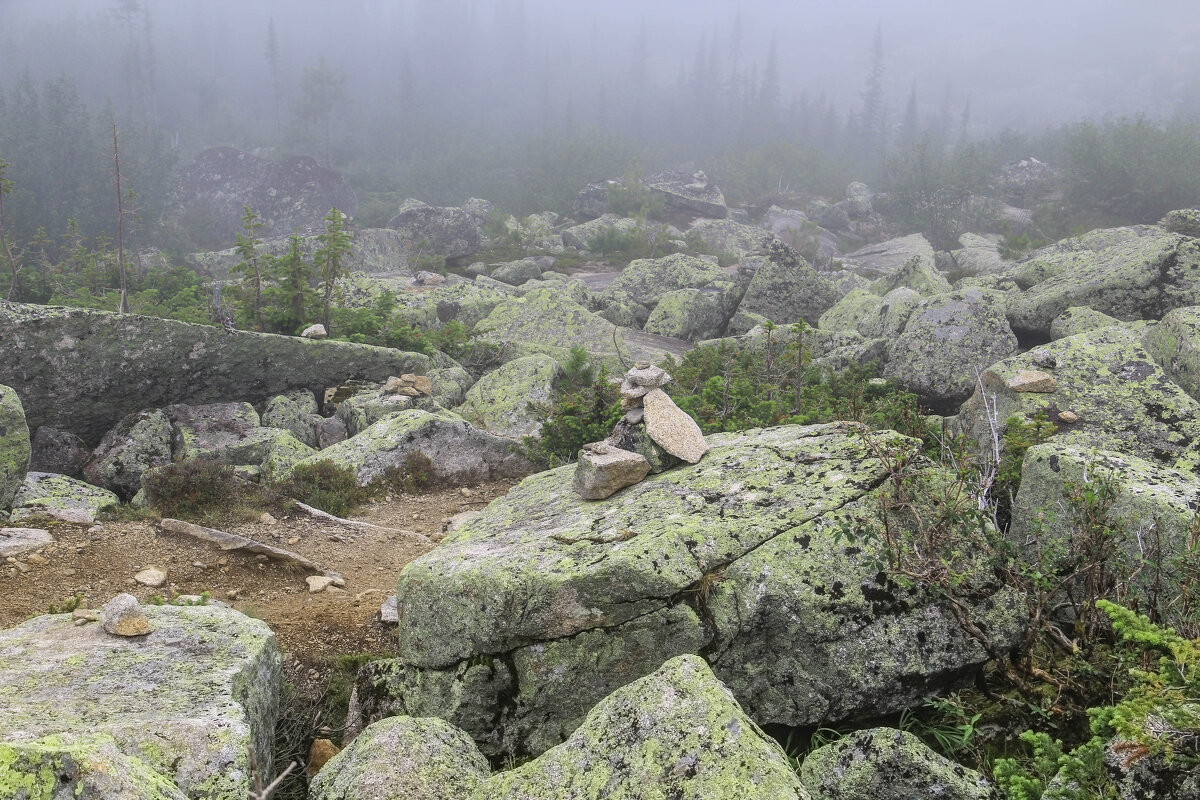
8,253
124,307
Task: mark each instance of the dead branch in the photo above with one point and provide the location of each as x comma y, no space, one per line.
231,541
350,523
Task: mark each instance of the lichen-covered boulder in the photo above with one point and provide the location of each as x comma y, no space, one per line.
196,699
947,341
891,315
888,764
1122,398
403,757
295,412
885,258
59,452
1185,221
854,307
426,230
1142,277
1075,253
210,430
690,193
603,470
499,401
1175,344
460,452
785,289
646,280
917,274
530,613
728,238
978,255
571,287
83,370
516,273
15,447
139,442
450,385
687,314
675,733
593,233
81,766
363,409
1079,319
44,494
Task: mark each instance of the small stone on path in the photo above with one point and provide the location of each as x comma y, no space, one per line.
152,577
318,583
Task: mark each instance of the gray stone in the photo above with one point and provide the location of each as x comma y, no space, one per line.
426,230
672,429
855,307
785,289
1079,319
59,452
315,332
891,315
1184,221
592,200
603,470
196,699
44,494
500,401
586,235
724,237
18,541
516,273
641,379
689,314
139,442
978,255
387,611
76,369
886,258
1175,344
123,616
646,280
917,274
691,193
15,447
295,412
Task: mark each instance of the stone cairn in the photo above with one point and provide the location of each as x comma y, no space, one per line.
654,435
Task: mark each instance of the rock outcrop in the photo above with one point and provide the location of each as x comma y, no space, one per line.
689,193
499,402
784,288
15,447
81,371
431,231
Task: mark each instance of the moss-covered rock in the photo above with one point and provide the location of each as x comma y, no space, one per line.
1185,221
499,401
1073,254
460,452
917,274
1175,344
677,733
888,764
890,316
785,289
82,371
947,341
15,447
139,442
646,280
450,385
79,766
196,699
295,412
1142,276
687,314
1123,399
424,758
855,307
1079,319
45,494
728,238
364,408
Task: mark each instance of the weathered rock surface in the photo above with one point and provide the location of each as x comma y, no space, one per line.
1141,277
728,238
691,193
81,370
18,541
44,494
1123,399
885,258
295,412
427,230
209,197
1074,253
80,766
59,452
459,451
675,733
785,289
889,317
1184,221
590,234
195,699
646,280
888,764
1079,319
499,401
139,442
532,612
978,255
947,340
917,274
15,447
123,616
671,428
603,470
847,313
516,273
1175,344
690,314
404,757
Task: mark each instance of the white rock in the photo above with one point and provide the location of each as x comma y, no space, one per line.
152,577
318,583
314,332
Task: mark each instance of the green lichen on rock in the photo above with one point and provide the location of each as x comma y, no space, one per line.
211,430
81,370
891,315
139,442
888,764
60,497
1079,319
515,273
296,412
1139,277
404,757
947,340
686,314
80,766
194,699
1123,399
1185,221
785,288
677,733
725,237
14,445
499,402
646,280
1073,254
845,315
281,452
918,274
1175,344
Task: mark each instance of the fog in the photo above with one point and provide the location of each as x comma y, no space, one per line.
423,91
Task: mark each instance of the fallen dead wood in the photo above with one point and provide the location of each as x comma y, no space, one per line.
231,541
350,523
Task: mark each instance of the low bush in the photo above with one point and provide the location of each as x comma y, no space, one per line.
326,485
200,489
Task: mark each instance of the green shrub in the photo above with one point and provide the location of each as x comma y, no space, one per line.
200,488
415,475
327,485
585,408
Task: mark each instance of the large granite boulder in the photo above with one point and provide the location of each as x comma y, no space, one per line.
295,412
675,733
139,442
44,494
885,258
372,250
855,307
1121,398
889,317
529,614
58,451
725,237
209,430
459,451
403,757
888,764
592,200
1079,319
978,255
1138,277
589,235
1069,255
500,401
82,370
196,699
916,274
1175,344
947,340
1184,221
15,447
644,282
208,197
785,289
80,766
429,231
690,314
689,193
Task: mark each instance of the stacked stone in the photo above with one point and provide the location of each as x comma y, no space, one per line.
654,435
409,385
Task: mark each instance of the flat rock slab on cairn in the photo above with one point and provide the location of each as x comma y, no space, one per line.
672,429
603,470
643,379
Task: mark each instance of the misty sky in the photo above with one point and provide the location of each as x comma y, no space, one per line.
1019,63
